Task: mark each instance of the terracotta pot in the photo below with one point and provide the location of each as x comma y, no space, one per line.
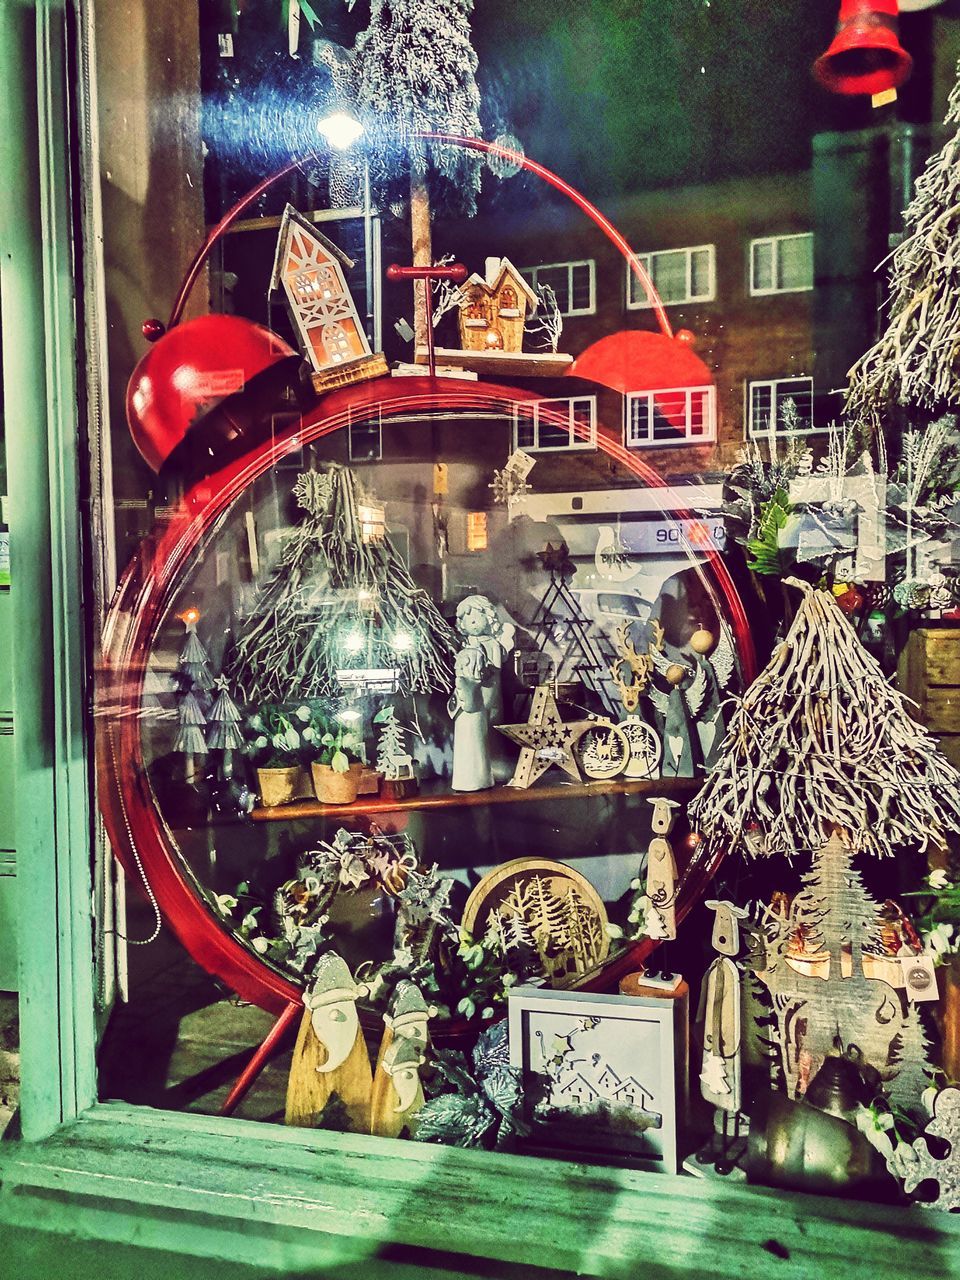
280,786
336,788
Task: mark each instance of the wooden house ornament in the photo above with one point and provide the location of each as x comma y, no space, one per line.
495,308
308,271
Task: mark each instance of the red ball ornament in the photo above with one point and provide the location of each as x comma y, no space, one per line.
195,375
687,337
153,329
851,601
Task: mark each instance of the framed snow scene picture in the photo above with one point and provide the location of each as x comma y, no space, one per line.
599,1075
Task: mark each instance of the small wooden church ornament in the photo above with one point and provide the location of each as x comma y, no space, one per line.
397,1092
308,271
330,1056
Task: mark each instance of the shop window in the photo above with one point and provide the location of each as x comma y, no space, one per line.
678,275
365,441
476,530
574,284
780,407
684,415
552,425
781,264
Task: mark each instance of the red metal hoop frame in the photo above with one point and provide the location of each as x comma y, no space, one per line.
140,836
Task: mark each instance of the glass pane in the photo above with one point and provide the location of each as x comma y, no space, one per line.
670,275
558,279
700,282
796,262
762,277
581,293
761,407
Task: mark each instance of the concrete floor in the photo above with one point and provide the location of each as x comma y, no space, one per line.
181,1040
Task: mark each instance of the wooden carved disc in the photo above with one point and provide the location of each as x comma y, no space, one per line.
604,751
543,905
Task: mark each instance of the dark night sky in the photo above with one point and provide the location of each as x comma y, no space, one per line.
617,96
612,91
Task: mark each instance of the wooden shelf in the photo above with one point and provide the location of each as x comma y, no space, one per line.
299,809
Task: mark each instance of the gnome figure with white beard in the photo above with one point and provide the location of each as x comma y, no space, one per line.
331,1055
397,1091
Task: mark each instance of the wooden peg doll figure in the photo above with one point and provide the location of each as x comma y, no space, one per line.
397,1093
477,700
330,1056
661,882
720,1010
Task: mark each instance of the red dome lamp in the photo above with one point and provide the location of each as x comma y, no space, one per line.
866,55
190,382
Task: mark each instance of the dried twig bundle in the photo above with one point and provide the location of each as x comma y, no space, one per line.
820,739
917,359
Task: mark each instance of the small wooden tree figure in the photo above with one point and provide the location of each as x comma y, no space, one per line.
195,681
223,724
914,1069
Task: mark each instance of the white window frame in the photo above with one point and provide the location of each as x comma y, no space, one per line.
645,260
530,274
576,443
776,242
774,384
708,436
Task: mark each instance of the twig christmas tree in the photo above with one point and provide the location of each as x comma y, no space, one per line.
915,361
339,600
821,740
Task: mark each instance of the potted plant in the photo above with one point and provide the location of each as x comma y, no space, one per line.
337,770
277,753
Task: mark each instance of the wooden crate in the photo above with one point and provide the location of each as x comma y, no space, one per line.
929,673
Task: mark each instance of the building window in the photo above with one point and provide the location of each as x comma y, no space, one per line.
680,415
780,406
574,284
476,531
781,264
550,425
678,275
365,441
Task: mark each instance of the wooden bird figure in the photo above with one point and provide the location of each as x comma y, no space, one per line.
397,1092
330,1056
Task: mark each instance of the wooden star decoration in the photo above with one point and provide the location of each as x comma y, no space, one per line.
545,740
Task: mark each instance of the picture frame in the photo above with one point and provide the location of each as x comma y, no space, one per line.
600,1074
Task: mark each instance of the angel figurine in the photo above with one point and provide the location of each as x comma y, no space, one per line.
477,701
697,682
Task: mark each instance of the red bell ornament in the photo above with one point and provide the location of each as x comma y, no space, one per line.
202,387
865,56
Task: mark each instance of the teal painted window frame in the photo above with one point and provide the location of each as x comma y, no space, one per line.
270,1201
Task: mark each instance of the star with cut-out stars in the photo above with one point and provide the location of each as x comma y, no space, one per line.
545,740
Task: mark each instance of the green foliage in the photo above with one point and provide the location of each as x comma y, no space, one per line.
767,553
485,979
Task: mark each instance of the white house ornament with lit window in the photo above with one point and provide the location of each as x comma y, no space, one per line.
308,270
